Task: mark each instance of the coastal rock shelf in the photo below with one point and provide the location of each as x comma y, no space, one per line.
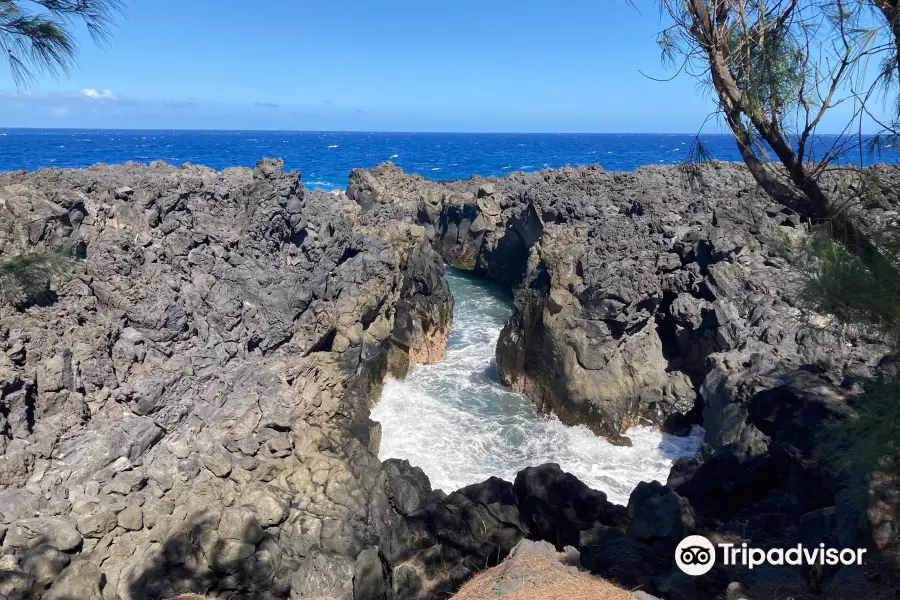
188,408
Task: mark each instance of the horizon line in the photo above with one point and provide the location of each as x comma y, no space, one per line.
189,129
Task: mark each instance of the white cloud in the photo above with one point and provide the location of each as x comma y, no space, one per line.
59,111
95,95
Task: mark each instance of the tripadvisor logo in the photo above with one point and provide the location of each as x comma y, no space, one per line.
696,555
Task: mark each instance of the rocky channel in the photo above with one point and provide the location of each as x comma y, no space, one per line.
189,409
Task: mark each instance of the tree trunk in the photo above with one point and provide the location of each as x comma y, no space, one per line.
814,203
891,11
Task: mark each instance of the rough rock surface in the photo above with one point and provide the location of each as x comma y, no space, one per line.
641,296
654,297
189,410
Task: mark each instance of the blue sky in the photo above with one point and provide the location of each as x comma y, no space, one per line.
403,65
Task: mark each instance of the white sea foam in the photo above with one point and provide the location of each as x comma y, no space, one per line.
332,146
455,421
395,155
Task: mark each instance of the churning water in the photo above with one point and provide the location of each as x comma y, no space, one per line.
460,425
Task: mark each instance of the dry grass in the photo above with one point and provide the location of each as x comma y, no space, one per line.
539,578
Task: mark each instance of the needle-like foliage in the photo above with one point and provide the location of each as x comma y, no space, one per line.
26,279
37,37
775,69
835,282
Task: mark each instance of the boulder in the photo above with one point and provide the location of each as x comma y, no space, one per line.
656,512
131,519
79,580
557,507
35,531
97,523
16,585
44,563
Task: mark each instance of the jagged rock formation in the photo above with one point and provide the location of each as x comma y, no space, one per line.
640,296
189,411
653,297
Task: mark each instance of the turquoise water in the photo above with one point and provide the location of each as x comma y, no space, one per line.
460,425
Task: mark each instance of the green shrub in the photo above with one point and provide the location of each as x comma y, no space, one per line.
27,279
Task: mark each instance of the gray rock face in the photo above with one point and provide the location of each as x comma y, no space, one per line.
189,409
647,297
640,296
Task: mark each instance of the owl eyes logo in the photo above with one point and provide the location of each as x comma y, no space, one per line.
695,555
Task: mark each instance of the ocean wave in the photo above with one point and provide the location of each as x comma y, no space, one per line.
455,421
332,146
395,156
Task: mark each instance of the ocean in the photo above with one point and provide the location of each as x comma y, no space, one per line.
326,158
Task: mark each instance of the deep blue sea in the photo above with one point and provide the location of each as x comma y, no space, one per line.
326,158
